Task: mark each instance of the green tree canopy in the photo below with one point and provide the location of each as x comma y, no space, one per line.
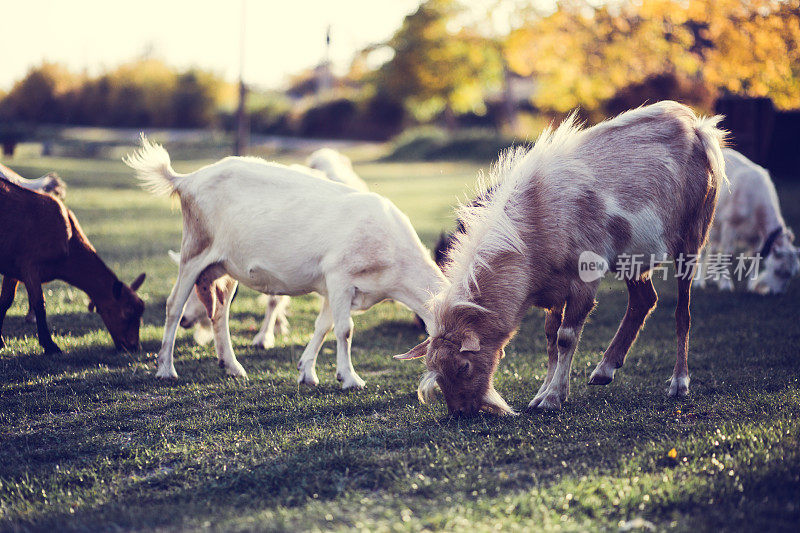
438,65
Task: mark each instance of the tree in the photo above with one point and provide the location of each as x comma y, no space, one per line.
193,102
35,98
582,54
438,65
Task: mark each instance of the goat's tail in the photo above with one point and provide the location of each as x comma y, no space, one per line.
153,168
713,139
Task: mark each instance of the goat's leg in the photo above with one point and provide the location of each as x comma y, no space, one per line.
308,361
265,338
281,322
223,289
579,304
341,305
551,324
30,318
727,245
36,301
702,265
679,383
642,298
187,274
7,294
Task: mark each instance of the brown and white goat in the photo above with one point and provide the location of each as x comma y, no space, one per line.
645,182
42,241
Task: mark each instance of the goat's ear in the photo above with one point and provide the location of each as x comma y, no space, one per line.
416,352
138,282
767,248
471,342
175,256
116,289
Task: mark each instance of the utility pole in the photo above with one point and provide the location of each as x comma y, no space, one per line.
242,125
324,82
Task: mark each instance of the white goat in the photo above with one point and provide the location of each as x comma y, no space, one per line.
337,167
328,164
280,230
749,219
49,183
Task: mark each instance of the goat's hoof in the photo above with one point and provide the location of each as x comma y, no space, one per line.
308,378
221,363
235,369
603,374
52,350
30,318
264,341
548,401
678,387
353,381
166,372
600,380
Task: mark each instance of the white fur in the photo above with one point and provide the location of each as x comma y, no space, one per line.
49,183
647,231
427,387
746,215
325,163
337,167
491,228
495,403
285,231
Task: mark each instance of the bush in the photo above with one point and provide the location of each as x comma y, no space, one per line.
667,86
271,115
428,143
329,119
351,116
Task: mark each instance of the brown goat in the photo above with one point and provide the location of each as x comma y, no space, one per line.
642,184
40,241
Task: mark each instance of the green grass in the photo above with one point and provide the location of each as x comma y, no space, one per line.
90,439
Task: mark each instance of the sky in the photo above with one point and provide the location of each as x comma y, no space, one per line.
282,37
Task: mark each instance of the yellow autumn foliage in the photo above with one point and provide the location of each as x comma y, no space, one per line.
582,54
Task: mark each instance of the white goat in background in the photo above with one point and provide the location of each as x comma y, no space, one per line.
280,230
337,167
749,220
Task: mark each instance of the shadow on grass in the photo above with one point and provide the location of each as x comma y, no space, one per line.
364,463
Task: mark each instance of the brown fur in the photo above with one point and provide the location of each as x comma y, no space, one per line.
42,241
657,165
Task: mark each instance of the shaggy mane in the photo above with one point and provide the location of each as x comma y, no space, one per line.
492,227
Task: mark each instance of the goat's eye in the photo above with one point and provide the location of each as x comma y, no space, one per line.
464,368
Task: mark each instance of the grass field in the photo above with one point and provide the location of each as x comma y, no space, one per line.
90,439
